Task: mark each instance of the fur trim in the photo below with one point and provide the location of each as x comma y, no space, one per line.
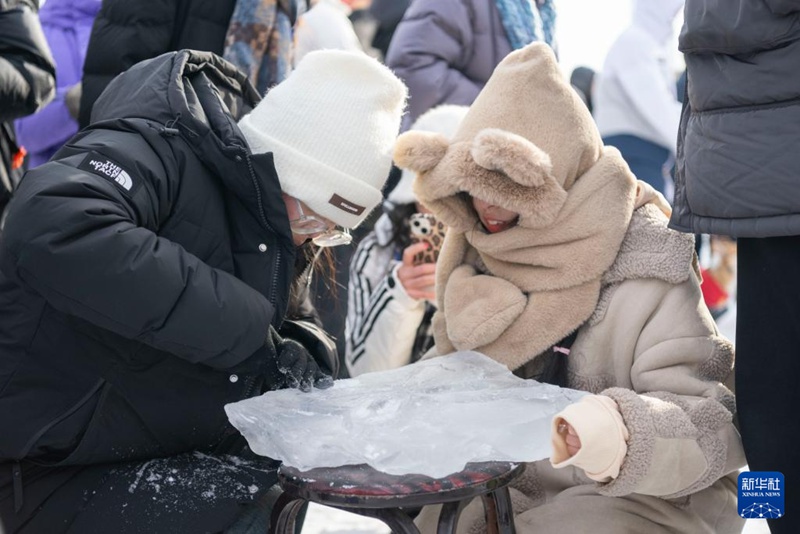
420,151
649,250
530,484
708,416
726,398
672,414
667,415
719,364
599,313
592,384
641,426
438,188
528,95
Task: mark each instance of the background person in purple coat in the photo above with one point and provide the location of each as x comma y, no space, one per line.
445,50
67,25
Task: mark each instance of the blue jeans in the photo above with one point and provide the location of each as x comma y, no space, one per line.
646,159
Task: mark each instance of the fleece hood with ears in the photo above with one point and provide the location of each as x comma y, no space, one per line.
528,144
523,143
656,17
444,119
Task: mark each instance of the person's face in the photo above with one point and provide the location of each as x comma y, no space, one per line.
494,218
306,224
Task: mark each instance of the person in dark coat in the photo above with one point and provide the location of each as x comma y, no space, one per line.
145,275
388,14
446,50
738,174
27,83
582,80
126,32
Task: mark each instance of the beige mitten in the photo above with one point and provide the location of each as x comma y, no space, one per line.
479,307
603,435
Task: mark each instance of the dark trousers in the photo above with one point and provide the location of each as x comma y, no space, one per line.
191,493
768,363
646,159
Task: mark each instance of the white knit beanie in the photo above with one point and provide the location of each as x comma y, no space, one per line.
443,119
331,126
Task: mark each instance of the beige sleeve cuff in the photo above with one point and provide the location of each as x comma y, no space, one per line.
599,425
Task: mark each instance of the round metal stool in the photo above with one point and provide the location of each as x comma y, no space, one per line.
365,491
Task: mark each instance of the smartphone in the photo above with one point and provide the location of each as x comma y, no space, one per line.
425,228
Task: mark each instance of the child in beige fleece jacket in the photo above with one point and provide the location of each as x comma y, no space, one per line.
552,238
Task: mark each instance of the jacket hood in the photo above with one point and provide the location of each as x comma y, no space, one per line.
656,17
198,93
523,144
199,96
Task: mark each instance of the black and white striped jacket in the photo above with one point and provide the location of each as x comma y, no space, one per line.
385,327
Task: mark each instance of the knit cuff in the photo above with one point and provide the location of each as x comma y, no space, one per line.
603,435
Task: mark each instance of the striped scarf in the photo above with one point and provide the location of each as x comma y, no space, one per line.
525,23
259,39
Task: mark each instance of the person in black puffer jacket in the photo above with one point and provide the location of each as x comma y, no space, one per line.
27,83
127,32
145,274
738,175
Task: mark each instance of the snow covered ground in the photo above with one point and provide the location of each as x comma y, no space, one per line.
324,520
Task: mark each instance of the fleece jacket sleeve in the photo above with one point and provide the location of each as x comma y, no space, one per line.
678,412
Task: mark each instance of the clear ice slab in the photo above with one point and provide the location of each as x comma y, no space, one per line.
429,418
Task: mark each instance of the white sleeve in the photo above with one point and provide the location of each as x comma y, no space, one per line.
382,320
643,82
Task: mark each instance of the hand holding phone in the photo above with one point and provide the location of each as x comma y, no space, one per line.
417,273
425,228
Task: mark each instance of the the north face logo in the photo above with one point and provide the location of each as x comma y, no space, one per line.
112,170
107,168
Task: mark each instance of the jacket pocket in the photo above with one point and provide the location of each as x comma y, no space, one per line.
114,433
56,439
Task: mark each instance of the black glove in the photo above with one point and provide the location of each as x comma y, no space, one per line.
315,340
297,368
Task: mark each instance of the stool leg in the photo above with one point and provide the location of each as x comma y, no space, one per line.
396,520
284,514
448,517
498,512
